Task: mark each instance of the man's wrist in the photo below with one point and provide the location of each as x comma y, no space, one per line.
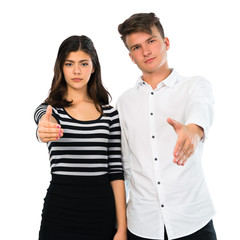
197,129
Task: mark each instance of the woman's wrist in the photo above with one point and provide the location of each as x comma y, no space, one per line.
122,228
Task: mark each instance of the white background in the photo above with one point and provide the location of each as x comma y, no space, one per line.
204,37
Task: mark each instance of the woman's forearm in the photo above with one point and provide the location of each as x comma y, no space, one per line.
120,203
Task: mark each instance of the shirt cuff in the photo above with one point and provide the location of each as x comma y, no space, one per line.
203,126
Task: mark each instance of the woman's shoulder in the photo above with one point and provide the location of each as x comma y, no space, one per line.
43,107
109,110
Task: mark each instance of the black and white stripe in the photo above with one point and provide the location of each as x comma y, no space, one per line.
87,148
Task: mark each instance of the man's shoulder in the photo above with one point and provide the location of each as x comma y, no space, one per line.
127,94
193,81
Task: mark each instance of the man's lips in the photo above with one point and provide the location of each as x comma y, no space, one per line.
149,60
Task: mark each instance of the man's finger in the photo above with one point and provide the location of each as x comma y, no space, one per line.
185,158
177,126
179,145
183,155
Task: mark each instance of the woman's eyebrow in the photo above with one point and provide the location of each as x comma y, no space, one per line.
83,60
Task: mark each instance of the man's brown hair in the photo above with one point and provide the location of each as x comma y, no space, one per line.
140,22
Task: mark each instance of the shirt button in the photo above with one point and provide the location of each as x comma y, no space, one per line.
151,114
162,206
153,136
159,183
155,159
152,93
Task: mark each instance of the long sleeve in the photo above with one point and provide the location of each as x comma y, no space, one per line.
126,153
199,109
39,112
114,149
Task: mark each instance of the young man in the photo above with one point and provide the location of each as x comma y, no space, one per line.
165,119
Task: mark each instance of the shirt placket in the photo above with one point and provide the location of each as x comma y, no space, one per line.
155,151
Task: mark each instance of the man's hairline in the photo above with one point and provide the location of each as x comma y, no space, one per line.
142,32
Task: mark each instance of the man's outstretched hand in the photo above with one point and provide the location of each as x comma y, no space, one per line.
188,139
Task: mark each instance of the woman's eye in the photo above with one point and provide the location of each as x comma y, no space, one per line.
84,64
68,64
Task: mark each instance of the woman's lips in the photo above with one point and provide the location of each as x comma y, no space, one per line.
77,79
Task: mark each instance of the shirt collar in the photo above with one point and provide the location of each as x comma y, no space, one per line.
169,81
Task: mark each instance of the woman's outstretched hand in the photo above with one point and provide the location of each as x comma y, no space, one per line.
48,128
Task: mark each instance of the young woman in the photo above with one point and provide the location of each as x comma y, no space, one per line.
86,194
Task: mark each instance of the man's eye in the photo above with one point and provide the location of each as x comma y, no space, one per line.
136,48
151,41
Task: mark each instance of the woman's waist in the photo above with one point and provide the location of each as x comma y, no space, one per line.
84,180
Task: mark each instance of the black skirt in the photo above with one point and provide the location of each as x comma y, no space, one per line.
78,208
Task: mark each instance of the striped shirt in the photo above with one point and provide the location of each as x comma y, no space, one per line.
87,148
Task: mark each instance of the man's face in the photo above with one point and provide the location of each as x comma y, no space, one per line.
148,51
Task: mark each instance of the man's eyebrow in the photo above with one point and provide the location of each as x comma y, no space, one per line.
137,45
151,38
133,46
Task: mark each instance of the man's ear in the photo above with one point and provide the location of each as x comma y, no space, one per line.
132,58
167,43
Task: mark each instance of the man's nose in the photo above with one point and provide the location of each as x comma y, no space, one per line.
146,51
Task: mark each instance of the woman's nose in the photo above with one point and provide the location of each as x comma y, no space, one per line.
77,70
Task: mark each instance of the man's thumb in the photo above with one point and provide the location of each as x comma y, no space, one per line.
49,113
175,124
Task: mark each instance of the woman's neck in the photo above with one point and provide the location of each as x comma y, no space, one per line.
77,97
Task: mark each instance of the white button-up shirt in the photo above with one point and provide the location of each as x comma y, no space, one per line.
162,192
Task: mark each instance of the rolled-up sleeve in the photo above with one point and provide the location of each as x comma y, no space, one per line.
199,108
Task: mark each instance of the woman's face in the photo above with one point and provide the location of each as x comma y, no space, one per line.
77,70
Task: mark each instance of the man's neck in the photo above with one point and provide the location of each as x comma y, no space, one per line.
156,77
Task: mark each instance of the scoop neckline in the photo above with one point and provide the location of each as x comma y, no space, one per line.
84,121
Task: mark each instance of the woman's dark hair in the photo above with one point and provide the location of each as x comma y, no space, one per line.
95,88
140,22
